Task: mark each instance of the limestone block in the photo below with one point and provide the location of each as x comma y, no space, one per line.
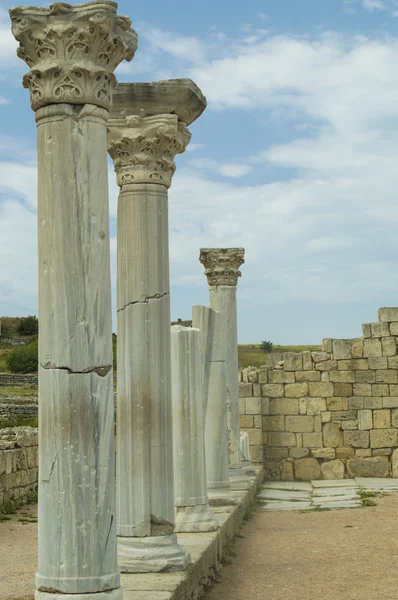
256,390
308,376
299,440
327,345
334,403
306,469
367,330
320,389
387,315
392,362
296,390
363,452
394,463
307,361
281,439
303,406
393,328
375,402
394,420
392,390
365,376
298,452
333,469
382,419
257,455
287,471
355,403
265,406
342,376
325,453
362,389
390,402
245,378
315,405
240,376
258,421
242,406
343,389
389,346
381,451
293,361
341,349
253,406
365,419
262,376
383,389
280,377
355,364
372,348
379,330
255,437
345,453
276,423
344,415
377,362
317,423
368,467
252,377
300,424
357,348
325,377
312,440
356,439
274,454
284,406
349,425
245,390
272,390
383,438
332,435
246,421
318,357
326,416
327,365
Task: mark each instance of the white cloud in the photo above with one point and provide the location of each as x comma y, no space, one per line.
234,170
372,5
8,44
194,147
184,48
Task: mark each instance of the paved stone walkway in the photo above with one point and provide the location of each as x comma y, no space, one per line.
318,495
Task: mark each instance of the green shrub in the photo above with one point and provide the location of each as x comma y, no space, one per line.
28,326
266,346
24,359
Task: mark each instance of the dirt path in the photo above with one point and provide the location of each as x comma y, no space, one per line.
347,554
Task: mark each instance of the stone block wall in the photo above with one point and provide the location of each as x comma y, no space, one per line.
10,410
18,380
329,414
18,463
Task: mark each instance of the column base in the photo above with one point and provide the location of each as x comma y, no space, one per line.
154,554
239,477
116,594
195,519
221,496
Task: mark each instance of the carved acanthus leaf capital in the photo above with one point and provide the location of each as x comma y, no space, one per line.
222,265
72,51
143,148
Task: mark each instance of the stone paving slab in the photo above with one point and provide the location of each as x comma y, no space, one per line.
274,506
376,483
332,483
340,504
335,492
300,486
270,494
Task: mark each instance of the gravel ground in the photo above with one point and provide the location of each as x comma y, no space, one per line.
347,554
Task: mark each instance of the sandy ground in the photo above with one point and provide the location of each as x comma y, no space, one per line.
348,554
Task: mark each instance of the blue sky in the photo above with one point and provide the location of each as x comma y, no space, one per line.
294,159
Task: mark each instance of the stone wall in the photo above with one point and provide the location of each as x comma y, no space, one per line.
18,463
11,410
18,380
15,341
329,414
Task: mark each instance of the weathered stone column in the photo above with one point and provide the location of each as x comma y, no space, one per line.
215,407
72,52
193,513
222,272
143,149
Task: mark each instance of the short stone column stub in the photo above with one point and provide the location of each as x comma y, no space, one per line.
222,272
208,321
70,83
143,148
193,513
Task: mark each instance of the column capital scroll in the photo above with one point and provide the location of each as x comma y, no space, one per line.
222,265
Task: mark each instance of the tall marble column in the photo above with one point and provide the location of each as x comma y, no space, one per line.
193,513
222,272
208,321
72,52
143,148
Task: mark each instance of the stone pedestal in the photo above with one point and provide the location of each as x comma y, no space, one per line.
192,508
143,150
222,271
208,321
70,82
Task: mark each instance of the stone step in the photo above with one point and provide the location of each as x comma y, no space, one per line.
276,506
333,483
299,486
374,483
269,494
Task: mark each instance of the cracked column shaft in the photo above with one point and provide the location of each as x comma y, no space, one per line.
77,521
143,150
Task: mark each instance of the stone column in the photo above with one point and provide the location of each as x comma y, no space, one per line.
222,272
193,513
72,52
215,408
143,149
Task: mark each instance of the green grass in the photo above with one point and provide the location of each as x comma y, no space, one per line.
364,494
22,392
252,355
20,423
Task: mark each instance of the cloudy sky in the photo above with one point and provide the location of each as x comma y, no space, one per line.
295,159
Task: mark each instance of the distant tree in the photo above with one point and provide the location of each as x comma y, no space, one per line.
28,326
24,359
266,346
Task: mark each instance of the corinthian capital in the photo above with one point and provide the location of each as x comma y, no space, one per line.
222,265
72,51
143,148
